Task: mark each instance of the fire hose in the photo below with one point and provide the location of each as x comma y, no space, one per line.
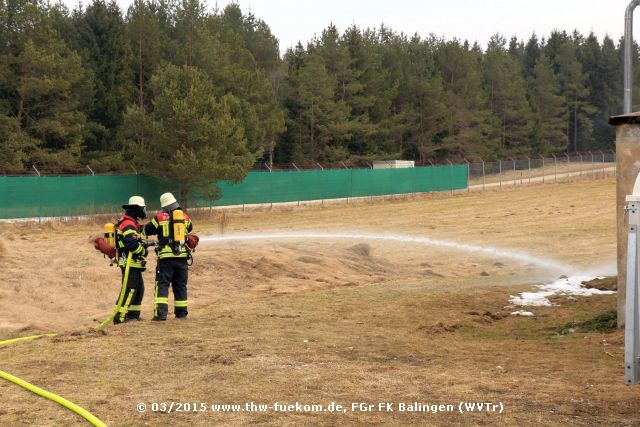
54,397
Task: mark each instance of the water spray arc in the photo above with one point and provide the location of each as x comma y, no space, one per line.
521,257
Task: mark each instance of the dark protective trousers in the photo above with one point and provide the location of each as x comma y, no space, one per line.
134,292
174,272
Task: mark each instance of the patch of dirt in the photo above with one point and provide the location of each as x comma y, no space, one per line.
440,328
310,260
487,316
362,249
606,284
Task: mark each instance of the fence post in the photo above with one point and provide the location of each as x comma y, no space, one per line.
345,166
351,183
514,171
581,164
543,171
500,172
555,168
568,161
468,174
602,154
483,174
324,184
529,163
615,163
271,191
450,164
40,192
592,165
93,186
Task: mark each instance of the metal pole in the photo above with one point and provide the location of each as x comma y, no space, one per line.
632,308
514,171
529,162
628,38
500,172
602,154
592,164
483,174
543,171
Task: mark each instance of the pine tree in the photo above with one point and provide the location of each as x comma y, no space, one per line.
145,39
39,86
507,97
313,113
530,56
603,71
196,138
578,110
472,128
548,108
428,112
106,55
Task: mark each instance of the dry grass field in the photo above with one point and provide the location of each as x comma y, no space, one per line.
317,321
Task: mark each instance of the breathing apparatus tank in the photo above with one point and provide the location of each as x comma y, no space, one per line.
109,234
106,243
179,231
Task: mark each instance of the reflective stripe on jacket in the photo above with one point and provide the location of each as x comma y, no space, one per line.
127,240
160,225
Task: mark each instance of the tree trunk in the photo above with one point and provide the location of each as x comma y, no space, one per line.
20,109
575,125
312,126
141,77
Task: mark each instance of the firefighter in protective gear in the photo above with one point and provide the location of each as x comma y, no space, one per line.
128,234
171,226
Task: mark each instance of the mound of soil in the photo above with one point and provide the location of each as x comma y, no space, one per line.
606,284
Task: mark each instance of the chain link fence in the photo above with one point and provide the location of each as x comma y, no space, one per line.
540,169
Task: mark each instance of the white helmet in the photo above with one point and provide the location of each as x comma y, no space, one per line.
168,202
135,201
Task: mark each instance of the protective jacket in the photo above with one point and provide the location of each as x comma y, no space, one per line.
162,226
128,240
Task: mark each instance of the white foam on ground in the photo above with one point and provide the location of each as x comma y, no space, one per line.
522,313
565,286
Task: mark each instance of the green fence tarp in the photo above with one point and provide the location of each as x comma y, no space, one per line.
52,196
